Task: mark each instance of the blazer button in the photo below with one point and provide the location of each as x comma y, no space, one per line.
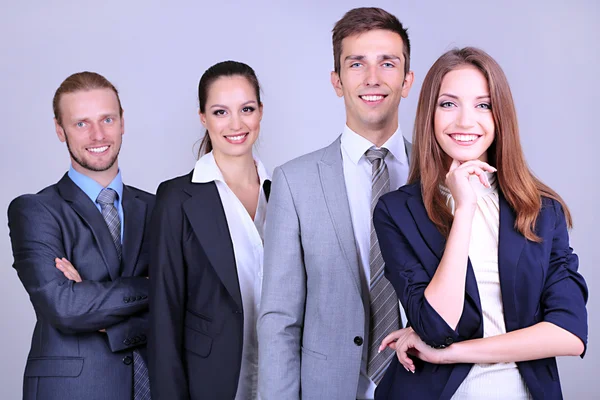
449,341
126,299
126,342
358,341
143,338
144,297
138,298
127,360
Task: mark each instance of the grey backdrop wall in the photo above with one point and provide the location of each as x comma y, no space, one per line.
155,52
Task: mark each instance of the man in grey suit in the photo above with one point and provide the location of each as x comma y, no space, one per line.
81,252
325,304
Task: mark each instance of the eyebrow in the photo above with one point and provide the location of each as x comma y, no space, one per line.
379,58
103,116
243,104
453,96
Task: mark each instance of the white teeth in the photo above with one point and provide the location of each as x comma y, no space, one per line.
98,149
371,98
465,138
236,138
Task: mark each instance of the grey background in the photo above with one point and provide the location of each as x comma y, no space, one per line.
155,52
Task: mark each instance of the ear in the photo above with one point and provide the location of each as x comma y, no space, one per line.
260,112
408,81
60,132
336,82
202,118
122,125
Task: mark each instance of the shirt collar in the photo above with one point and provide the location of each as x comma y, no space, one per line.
207,170
355,145
92,188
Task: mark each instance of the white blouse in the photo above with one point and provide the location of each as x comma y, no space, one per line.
499,380
247,238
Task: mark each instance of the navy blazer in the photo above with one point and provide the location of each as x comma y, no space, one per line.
196,311
69,357
539,282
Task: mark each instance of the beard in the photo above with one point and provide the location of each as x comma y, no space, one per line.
89,166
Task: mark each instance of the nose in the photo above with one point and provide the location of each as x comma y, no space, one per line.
372,76
97,132
465,117
235,122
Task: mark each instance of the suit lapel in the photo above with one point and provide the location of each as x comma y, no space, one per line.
334,188
436,241
207,217
510,246
88,212
134,218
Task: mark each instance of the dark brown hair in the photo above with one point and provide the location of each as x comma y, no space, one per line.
82,81
429,164
219,70
364,19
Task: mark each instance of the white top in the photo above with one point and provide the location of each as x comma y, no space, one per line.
357,175
247,239
500,380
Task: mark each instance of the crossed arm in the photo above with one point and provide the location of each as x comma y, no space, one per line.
70,306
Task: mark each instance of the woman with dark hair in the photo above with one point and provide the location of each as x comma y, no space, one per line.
477,249
206,269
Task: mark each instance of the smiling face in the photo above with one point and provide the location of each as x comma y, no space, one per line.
92,127
372,80
463,121
232,115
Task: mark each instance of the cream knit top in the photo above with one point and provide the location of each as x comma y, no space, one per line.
500,380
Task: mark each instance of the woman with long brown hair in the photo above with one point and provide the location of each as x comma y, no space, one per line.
477,249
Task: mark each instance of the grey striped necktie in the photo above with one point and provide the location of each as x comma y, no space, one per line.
106,199
385,314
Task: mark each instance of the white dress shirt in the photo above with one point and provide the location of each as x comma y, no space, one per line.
357,175
247,239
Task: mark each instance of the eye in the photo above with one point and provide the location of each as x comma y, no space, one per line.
109,120
355,65
447,104
388,65
248,109
219,112
485,106
80,124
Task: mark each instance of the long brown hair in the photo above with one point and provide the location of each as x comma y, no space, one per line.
522,190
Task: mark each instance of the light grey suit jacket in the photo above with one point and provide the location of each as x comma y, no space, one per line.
312,320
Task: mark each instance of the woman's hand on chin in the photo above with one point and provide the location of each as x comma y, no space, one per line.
457,181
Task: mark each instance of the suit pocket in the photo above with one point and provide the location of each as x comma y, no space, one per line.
202,323
314,354
197,342
54,366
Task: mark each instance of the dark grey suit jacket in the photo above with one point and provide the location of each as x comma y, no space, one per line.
69,358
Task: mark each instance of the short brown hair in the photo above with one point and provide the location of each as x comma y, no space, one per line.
364,19
82,81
